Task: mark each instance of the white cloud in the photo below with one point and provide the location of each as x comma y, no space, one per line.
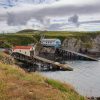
21,14
77,2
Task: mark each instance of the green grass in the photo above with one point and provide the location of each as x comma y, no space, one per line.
72,95
61,34
57,85
12,40
28,37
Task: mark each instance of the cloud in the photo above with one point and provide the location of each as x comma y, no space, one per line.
21,15
69,9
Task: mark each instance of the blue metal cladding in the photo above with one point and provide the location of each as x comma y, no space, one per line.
57,43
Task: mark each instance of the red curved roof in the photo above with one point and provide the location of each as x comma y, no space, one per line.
23,47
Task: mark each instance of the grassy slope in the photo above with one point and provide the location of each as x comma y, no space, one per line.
6,59
61,34
24,38
13,39
15,84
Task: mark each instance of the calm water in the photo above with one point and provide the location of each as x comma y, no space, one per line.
85,77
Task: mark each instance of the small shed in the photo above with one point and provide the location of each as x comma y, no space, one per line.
26,50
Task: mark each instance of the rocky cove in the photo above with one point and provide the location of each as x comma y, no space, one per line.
85,44
85,76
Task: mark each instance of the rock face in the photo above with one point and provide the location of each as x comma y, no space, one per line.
72,44
96,44
92,44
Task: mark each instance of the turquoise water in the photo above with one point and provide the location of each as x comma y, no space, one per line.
85,78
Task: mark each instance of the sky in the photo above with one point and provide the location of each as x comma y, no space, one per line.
69,15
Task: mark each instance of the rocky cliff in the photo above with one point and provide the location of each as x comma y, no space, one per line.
84,43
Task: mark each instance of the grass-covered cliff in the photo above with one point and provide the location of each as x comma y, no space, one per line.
28,36
16,84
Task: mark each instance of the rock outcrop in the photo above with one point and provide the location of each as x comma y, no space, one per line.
92,44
